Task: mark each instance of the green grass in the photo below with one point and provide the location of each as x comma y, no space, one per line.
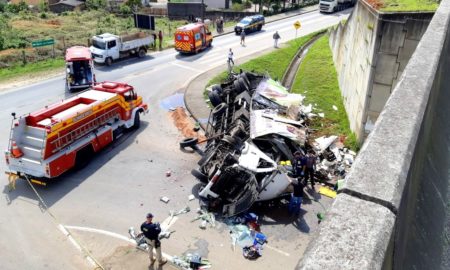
409,5
38,67
317,80
282,57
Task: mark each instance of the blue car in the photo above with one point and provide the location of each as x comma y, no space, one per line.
250,24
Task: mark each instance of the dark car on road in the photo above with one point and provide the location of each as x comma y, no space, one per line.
250,24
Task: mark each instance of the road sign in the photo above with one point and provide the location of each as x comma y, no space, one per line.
41,43
297,25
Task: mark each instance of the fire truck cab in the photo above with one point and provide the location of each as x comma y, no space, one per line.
192,38
51,141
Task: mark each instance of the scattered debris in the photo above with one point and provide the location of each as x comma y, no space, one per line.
185,210
164,199
327,192
191,262
335,108
191,197
168,173
165,234
206,217
321,115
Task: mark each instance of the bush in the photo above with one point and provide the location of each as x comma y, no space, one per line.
247,4
124,9
43,6
43,15
95,4
16,8
275,8
237,7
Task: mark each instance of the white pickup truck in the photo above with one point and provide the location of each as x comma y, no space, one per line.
108,47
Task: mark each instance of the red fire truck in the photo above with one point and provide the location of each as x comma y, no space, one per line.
49,142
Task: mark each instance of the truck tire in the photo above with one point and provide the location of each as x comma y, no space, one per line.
219,109
83,157
137,121
218,88
214,97
199,175
108,61
188,142
141,53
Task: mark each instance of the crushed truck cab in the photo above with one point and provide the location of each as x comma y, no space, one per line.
51,141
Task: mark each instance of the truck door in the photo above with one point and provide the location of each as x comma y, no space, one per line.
113,49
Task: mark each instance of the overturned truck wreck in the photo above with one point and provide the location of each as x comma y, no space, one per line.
254,125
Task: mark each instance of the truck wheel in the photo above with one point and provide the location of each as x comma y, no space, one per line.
218,88
141,53
219,109
83,157
188,142
108,61
137,121
200,176
214,97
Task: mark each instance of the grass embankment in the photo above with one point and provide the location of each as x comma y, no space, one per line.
265,63
409,5
317,80
32,68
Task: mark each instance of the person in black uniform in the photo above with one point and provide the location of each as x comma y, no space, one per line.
151,232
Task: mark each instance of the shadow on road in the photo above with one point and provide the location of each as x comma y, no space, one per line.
59,187
119,64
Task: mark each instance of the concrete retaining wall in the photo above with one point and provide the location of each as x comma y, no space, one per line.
370,53
394,210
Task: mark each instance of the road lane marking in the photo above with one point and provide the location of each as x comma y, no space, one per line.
112,234
212,59
185,67
277,250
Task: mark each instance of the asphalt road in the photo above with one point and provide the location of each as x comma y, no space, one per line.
125,181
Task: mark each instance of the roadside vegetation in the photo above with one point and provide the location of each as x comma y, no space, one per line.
20,25
264,64
317,80
405,5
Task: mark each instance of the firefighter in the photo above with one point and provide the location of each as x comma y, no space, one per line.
151,232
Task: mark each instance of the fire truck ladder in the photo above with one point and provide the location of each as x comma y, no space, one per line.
65,140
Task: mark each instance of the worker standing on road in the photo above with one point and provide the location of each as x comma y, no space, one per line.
151,232
160,37
310,168
276,37
230,58
243,37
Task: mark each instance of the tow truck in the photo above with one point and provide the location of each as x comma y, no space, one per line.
47,143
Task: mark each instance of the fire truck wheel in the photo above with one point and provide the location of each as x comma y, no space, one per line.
209,44
200,176
188,142
141,53
137,121
214,97
83,157
108,61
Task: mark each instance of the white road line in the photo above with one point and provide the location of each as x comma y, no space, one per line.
186,67
112,234
165,225
277,250
212,59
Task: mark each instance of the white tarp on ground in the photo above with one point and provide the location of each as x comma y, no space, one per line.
264,122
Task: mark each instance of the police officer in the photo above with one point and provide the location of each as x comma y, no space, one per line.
299,164
151,232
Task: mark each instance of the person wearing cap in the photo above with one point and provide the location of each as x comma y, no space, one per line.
151,232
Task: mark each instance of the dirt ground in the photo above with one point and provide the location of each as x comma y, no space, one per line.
129,257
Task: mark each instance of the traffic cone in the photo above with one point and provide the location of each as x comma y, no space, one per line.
16,152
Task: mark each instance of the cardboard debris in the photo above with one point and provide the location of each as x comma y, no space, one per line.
323,142
335,108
